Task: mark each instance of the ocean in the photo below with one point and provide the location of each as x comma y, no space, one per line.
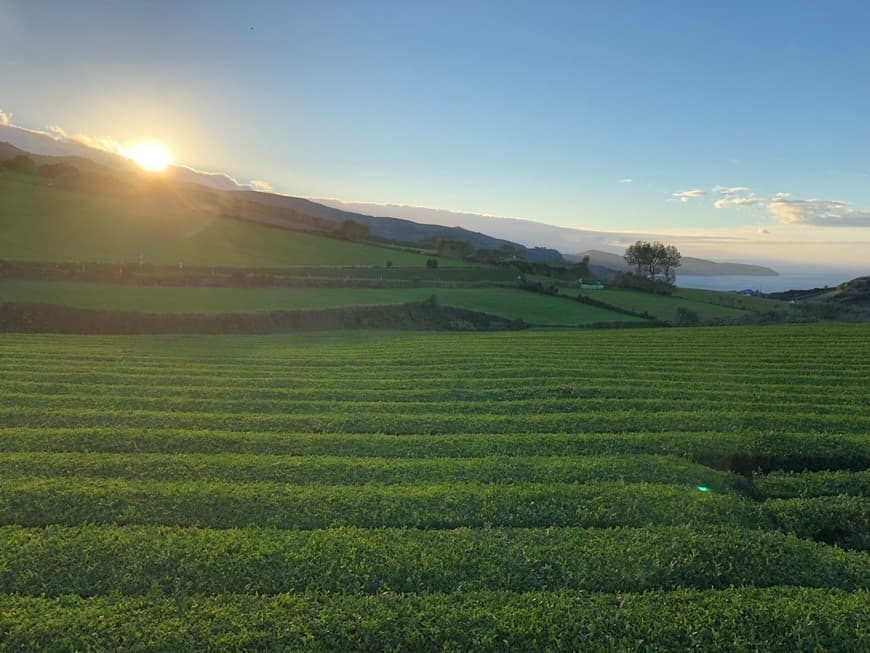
766,284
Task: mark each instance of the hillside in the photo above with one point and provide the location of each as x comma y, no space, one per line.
232,199
39,144
690,265
43,221
397,229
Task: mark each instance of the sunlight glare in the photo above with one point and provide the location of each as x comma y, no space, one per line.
150,155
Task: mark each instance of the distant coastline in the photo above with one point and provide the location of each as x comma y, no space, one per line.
691,266
765,284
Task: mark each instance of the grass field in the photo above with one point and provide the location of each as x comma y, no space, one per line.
662,307
730,299
505,302
556,490
38,223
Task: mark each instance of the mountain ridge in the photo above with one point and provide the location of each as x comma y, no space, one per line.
563,239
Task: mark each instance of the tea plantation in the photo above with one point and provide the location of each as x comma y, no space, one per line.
642,490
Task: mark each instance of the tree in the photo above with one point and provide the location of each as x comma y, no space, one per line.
450,247
21,163
652,258
56,170
432,263
352,230
637,255
654,255
671,260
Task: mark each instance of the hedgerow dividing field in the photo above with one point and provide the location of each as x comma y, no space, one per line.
667,489
511,303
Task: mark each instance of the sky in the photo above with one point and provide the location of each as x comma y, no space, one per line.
744,119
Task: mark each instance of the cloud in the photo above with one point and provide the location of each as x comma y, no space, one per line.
823,213
761,231
260,185
104,144
626,181
790,210
729,190
686,195
726,202
59,135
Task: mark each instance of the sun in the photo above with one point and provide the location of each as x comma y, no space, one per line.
150,155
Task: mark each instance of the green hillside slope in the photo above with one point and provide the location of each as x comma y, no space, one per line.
39,222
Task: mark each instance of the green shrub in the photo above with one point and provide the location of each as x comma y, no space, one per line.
780,619
686,317
100,560
840,520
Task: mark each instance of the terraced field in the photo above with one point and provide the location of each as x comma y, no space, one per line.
666,489
664,307
511,303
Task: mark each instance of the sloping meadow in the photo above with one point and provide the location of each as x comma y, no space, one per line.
662,489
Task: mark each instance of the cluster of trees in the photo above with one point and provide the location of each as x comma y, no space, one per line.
24,164
653,259
352,230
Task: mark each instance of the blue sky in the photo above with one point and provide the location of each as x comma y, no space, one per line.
533,110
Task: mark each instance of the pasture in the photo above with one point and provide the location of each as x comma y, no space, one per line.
44,223
510,303
707,305
662,489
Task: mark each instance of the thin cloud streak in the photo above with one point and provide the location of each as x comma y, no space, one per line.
730,190
726,202
686,195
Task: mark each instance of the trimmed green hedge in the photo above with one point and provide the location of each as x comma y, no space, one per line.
425,315
226,505
785,485
611,420
347,470
774,620
740,452
842,520
98,560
